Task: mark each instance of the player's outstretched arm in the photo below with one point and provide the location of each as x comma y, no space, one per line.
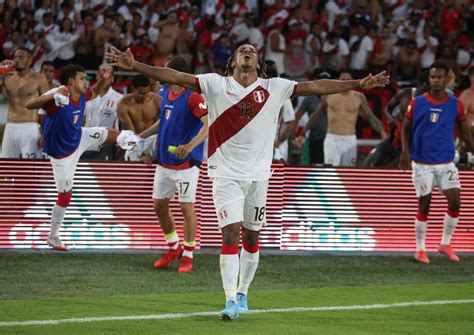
328,86
42,100
126,61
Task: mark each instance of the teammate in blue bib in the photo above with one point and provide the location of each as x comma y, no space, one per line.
66,139
183,124
428,140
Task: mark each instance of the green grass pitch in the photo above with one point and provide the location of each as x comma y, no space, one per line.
292,295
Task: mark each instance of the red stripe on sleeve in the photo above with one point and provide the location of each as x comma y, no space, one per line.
197,105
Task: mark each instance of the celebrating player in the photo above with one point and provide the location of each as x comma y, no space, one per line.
243,114
183,124
65,139
22,132
427,139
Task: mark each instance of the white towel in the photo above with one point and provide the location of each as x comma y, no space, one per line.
127,140
59,99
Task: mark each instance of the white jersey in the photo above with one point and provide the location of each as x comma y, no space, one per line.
242,124
102,111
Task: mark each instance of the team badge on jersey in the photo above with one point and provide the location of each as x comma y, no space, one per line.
259,96
167,114
75,118
223,214
434,117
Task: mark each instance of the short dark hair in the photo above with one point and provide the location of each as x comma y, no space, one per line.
69,72
140,80
28,51
441,66
179,63
47,62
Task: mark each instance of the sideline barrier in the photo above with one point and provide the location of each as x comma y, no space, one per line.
325,209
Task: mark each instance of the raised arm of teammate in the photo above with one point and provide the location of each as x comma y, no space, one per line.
329,86
126,61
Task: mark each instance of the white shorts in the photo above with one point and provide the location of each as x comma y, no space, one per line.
168,181
240,201
64,168
340,150
149,149
20,140
427,176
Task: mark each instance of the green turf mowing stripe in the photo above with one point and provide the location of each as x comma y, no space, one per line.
257,311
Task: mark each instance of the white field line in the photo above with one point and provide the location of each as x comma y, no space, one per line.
255,311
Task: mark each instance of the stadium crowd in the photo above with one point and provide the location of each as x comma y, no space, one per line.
303,39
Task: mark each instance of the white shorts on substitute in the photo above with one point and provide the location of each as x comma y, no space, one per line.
20,141
168,181
240,201
64,168
427,176
340,150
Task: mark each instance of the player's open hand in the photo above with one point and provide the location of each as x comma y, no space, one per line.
405,161
379,80
125,60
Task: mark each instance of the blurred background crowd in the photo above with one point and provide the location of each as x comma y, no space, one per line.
302,39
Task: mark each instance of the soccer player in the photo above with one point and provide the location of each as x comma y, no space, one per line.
183,123
243,114
427,139
340,144
22,132
65,139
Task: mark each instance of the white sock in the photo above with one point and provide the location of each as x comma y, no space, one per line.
57,217
449,226
188,247
248,267
173,240
230,273
420,229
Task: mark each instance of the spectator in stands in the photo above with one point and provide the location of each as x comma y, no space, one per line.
383,51
407,65
170,30
447,56
314,47
221,51
142,48
336,53
84,45
427,46
62,41
275,48
465,59
45,7
361,47
240,33
15,41
47,25
102,36
295,38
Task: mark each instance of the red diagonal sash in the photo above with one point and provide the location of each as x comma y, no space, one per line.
236,117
